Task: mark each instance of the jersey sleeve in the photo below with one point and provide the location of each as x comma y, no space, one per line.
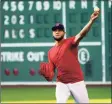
50,62
72,41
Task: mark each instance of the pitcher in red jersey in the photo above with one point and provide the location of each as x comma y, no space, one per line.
64,57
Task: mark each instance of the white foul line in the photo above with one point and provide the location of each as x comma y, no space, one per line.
3,83
103,42
50,44
64,16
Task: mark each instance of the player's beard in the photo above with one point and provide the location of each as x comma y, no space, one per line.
58,39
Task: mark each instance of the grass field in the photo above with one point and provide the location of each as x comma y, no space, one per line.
42,95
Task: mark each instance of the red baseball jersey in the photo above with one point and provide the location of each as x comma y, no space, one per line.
64,58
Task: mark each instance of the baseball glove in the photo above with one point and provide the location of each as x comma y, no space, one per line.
46,71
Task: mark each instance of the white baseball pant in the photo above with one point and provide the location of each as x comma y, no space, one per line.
77,90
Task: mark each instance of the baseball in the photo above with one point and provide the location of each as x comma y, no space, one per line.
96,9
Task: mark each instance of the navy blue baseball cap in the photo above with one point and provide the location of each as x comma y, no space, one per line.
58,26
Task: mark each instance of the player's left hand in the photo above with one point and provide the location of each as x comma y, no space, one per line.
46,71
95,15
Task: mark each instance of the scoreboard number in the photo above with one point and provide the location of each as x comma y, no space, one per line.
6,6
13,19
13,6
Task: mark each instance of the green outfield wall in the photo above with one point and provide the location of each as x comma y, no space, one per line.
26,37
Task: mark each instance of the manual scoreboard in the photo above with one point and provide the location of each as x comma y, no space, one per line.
26,37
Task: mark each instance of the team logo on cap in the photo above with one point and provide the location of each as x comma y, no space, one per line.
57,24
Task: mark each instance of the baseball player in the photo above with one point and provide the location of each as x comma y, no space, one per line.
64,57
